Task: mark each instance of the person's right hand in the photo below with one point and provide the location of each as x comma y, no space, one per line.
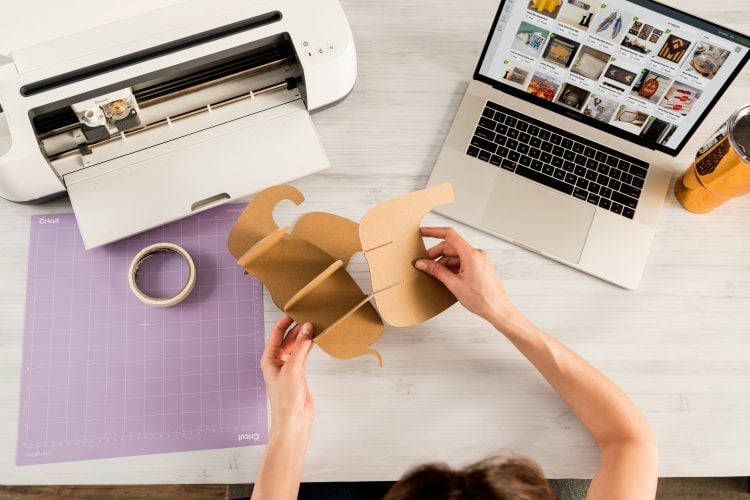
468,273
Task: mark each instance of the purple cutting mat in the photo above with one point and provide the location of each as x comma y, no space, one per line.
104,375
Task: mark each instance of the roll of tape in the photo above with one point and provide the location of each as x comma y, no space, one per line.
153,250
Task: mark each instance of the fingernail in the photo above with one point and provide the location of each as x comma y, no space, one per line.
421,265
307,329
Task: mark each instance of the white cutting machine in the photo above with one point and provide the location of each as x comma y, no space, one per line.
159,116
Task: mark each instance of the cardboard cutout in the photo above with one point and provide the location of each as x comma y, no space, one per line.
305,270
390,236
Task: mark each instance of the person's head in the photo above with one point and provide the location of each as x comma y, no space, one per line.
494,478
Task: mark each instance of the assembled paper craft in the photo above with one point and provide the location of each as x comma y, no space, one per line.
305,270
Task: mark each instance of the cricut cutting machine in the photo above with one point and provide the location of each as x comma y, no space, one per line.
159,116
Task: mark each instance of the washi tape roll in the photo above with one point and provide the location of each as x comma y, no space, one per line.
153,250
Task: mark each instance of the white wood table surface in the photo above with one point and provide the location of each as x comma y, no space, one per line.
453,389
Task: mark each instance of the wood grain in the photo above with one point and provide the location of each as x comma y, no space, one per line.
453,389
140,492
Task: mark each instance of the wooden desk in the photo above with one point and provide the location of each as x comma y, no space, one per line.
453,389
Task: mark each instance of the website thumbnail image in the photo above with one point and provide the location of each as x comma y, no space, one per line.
608,63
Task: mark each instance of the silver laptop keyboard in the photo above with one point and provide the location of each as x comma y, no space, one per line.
559,160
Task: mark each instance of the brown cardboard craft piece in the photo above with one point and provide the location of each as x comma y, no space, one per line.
304,280
305,270
392,243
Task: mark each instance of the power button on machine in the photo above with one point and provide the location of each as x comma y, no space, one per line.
307,51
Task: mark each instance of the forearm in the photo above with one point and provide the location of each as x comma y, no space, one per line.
601,405
281,469
628,467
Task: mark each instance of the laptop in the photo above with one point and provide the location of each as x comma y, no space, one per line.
574,121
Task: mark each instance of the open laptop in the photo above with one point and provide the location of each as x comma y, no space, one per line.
575,119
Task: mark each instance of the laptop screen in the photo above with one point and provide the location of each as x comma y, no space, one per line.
638,69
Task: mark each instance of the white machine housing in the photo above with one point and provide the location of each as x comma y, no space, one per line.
224,91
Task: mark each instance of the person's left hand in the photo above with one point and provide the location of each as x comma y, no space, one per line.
283,364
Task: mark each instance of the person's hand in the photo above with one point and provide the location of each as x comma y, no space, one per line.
283,364
468,273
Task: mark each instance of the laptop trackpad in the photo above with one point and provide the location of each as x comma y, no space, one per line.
538,217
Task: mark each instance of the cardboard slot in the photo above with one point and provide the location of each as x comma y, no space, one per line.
378,247
262,247
326,299
327,273
391,232
329,332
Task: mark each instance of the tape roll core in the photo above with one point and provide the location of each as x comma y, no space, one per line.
153,250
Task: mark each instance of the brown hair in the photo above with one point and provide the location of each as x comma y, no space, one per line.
496,478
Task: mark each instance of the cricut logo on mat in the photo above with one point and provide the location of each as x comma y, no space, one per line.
248,437
49,220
